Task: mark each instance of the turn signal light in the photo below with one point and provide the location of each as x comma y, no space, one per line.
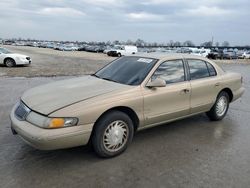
56,123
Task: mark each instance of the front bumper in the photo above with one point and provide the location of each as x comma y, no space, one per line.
50,139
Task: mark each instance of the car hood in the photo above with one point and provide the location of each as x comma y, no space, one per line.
51,97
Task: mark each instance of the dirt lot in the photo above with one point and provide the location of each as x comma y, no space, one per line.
193,152
49,62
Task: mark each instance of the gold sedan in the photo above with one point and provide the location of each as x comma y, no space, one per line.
129,94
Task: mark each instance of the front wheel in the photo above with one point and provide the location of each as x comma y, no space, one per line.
220,108
112,134
10,63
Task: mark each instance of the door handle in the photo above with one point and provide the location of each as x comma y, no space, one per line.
185,90
217,84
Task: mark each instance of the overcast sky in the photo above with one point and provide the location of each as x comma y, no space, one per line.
150,20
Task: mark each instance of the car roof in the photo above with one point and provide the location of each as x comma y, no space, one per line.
172,56
169,56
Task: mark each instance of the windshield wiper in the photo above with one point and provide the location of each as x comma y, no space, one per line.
108,79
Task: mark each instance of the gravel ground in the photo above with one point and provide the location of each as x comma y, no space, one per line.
49,62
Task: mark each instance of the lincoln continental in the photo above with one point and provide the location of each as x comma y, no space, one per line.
129,94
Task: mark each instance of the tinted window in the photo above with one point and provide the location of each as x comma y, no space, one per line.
127,70
170,71
198,69
211,69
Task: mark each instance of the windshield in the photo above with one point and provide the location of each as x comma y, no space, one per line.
127,70
4,51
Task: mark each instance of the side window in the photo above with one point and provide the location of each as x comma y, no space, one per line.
211,69
198,69
170,71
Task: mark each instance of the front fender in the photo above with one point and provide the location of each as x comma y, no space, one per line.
90,110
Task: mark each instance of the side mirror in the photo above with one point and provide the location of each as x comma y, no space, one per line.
158,82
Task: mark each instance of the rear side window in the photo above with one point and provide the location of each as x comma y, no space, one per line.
170,71
211,69
198,69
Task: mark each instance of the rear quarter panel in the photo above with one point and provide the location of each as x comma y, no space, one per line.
233,82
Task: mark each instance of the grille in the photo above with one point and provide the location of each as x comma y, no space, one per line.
22,111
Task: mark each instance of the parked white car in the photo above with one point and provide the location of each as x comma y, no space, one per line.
201,52
10,59
122,50
246,55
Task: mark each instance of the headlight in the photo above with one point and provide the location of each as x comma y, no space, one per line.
61,122
51,123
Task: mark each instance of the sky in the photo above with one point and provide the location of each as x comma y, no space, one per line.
150,20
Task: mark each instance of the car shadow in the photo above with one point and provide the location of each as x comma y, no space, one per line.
17,66
172,145
198,125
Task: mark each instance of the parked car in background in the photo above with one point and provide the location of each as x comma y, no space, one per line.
68,47
130,94
57,46
201,52
90,48
100,49
246,55
184,50
239,54
122,50
215,54
10,59
82,48
107,49
205,52
229,54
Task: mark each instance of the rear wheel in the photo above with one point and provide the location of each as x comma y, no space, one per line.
119,54
112,134
220,108
10,62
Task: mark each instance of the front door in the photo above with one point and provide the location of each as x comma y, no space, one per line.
162,104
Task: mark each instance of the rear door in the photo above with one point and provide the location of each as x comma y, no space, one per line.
166,103
205,85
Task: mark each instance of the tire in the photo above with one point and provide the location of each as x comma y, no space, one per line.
119,54
220,108
107,141
10,62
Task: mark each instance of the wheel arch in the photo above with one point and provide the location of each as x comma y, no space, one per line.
5,59
127,110
229,92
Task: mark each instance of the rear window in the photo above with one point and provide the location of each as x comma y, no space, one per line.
211,69
198,69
